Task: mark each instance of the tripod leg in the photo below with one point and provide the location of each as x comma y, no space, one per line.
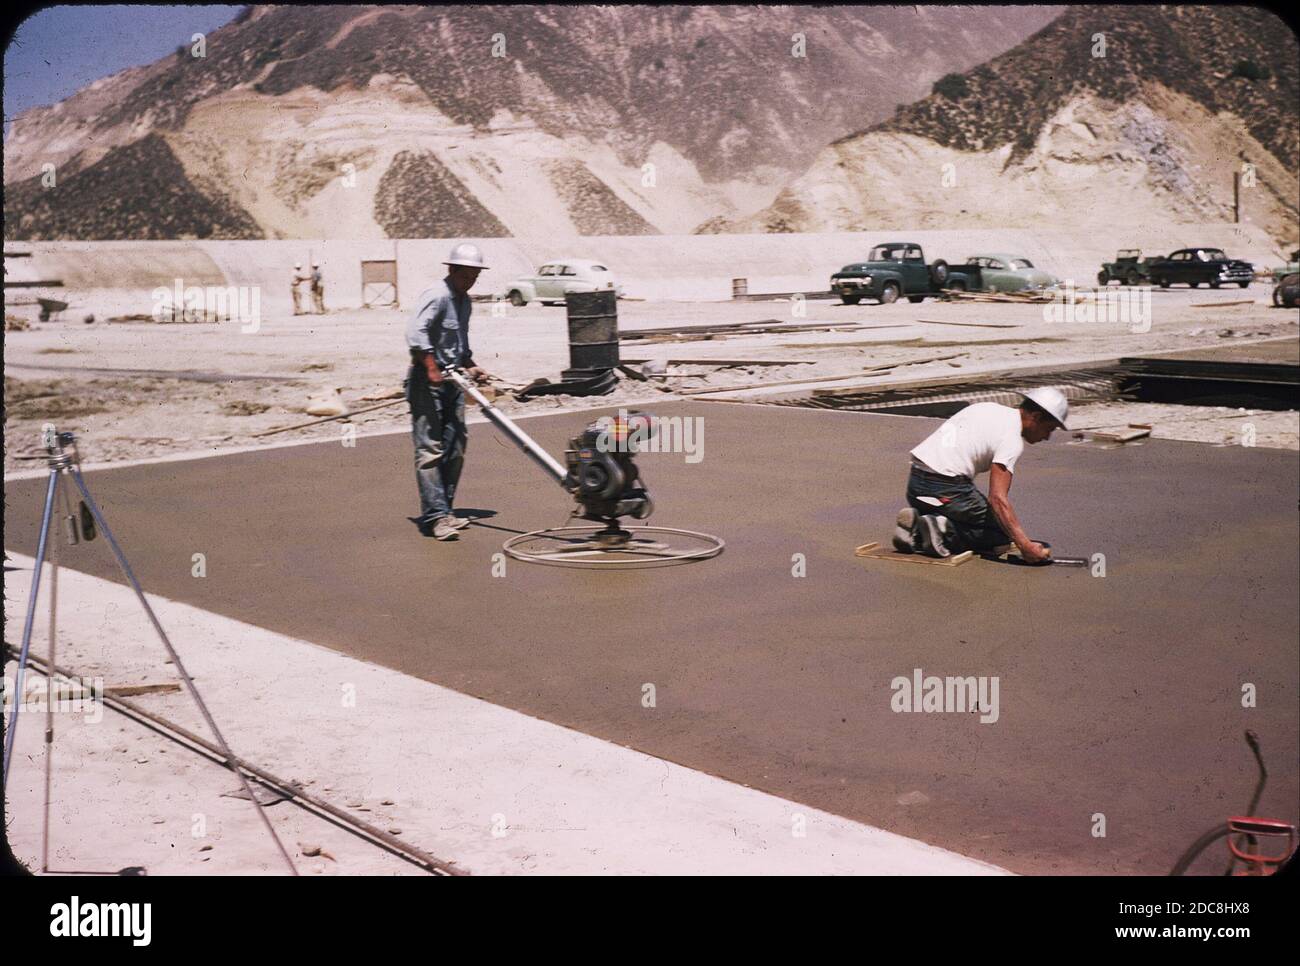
49,691
42,541
232,762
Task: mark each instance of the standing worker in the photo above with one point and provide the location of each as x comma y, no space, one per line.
317,288
438,337
296,287
946,514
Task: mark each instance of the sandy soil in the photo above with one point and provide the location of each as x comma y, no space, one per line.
139,390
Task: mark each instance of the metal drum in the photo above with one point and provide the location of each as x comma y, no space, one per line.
593,332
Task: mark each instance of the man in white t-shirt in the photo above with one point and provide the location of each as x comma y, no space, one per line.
946,514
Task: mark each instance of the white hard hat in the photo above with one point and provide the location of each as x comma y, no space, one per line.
297,264
1052,401
467,254
315,264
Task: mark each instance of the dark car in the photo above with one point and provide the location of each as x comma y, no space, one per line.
1192,266
1286,294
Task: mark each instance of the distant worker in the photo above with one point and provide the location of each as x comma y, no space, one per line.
317,288
438,337
296,287
946,514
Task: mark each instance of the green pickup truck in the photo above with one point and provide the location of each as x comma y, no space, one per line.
892,271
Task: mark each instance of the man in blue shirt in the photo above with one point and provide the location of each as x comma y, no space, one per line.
438,337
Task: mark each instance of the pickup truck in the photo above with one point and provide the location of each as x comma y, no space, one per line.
892,271
1197,265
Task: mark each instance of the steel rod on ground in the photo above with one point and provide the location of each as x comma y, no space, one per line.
288,790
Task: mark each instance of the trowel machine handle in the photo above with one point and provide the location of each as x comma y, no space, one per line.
502,422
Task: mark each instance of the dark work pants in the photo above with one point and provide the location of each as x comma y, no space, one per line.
975,526
440,437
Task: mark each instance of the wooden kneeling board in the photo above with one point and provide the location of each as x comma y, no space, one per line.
875,551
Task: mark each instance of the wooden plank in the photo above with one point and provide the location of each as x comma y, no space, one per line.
1126,436
775,382
1215,305
880,370
974,325
134,690
874,551
726,363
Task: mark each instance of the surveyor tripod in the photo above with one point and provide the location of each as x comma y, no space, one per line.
65,464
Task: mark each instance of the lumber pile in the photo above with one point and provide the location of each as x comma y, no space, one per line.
705,333
1027,296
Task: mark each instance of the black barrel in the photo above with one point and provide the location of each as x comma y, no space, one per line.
593,332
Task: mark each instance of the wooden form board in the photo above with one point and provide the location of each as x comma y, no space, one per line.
875,551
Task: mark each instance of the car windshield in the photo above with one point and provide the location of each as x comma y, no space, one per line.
1021,263
887,253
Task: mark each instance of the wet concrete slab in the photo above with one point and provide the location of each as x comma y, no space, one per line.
1118,695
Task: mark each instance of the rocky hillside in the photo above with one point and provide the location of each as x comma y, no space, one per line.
1049,133
317,121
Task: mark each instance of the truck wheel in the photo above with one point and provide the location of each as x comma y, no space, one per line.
889,294
850,299
1103,278
1198,284
1132,278
957,285
916,298
939,272
1243,284
517,298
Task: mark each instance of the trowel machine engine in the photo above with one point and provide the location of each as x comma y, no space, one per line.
601,474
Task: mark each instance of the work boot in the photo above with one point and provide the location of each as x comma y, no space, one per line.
444,528
457,522
905,531
932,535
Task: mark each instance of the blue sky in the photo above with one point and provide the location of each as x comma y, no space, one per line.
61,49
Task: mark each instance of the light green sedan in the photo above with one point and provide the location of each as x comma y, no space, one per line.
1003,273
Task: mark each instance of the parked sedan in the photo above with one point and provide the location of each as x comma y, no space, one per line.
1006,273
1290,268
1193,266
555,279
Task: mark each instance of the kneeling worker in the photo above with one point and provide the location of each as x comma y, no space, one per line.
946,514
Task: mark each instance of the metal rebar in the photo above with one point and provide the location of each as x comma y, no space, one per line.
288,789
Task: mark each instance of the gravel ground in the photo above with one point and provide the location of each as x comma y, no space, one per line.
138,390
